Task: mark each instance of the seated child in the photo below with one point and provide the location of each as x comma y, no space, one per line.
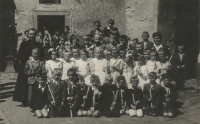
33,68
170,95
115,96
67,63
53,63
95,101
83,94
152,94
40,97
56,93
72,90
111,91
134,98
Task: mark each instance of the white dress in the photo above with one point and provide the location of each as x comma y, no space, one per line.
144,71
66,67
114,72
153,66
99,68
83,66
50,65
127,73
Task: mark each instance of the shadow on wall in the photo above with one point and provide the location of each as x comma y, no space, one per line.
8,33
178,20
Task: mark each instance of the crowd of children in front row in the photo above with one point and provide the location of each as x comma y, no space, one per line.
105,77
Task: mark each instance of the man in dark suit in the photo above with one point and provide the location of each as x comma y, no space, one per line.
25,50
180,61
97,29
152,95
146,44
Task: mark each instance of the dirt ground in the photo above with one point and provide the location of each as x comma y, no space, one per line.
12,113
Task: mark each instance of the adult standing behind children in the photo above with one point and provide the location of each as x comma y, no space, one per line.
157,38
24,54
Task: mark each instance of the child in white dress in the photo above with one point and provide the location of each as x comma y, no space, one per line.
83,65
99,66
67,63
152,64
127,68
141,71
52,63
114,71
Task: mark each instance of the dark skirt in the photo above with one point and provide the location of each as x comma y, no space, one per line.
21,88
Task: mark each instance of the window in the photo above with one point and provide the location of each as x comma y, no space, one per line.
50,1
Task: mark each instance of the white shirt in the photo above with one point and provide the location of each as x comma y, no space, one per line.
55,82
158,47
181,56
168,90
67,66
41,87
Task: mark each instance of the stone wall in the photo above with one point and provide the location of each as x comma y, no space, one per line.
141,15
132,17
83,13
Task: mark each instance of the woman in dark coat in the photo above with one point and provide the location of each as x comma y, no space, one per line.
21,88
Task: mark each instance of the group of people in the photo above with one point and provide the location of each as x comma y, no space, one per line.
107,75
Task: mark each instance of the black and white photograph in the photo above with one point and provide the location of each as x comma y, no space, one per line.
99,61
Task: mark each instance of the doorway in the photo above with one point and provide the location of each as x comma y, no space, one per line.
51,22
